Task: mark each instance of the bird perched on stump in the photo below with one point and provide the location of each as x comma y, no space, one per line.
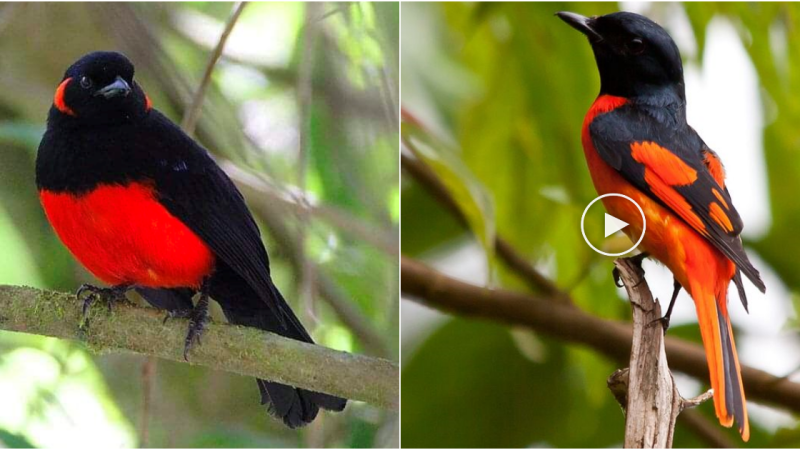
637,142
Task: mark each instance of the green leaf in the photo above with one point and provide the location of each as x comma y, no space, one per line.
483,388
474,201
13,440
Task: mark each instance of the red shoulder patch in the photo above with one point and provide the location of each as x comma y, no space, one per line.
602,105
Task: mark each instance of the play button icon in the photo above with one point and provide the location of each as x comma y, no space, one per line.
611,225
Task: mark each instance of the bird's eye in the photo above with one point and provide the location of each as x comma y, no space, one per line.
86,82
636,46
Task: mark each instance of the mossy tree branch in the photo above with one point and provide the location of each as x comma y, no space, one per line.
242,350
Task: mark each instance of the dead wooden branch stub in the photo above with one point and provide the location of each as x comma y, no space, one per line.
646,390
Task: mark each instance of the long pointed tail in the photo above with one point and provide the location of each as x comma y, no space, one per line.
723,362
242,306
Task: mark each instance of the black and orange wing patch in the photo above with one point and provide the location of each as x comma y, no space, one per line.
670,163
663,173
677,183
714,165
717,171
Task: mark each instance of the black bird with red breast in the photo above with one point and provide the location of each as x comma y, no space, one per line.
143,206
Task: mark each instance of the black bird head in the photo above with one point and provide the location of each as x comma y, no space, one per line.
635,56
99,89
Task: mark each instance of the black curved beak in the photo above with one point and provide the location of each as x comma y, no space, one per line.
119,88
580,23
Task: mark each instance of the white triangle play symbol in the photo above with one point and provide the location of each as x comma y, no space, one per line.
613,225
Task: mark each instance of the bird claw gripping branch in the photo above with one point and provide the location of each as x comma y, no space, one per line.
92,293
198,318
636,260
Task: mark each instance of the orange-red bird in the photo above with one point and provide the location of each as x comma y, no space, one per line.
637,143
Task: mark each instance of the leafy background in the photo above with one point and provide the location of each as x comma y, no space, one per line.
53,392
504,107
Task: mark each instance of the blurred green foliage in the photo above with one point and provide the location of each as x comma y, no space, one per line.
506,102
63,396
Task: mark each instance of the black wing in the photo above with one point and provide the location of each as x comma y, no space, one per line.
197,191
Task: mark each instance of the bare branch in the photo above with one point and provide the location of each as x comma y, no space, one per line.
305,96
344,307
569,323
384,239
192,114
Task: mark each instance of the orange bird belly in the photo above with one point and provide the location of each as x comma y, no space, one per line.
123,235
667,238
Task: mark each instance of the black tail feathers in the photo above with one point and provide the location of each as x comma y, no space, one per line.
737,280
296,407
734,394
242,306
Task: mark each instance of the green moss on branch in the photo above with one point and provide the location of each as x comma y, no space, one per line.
247,351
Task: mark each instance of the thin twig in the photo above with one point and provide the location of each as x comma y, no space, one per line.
305,94
695,401
192,113
343,306
243,350
348,224
388,86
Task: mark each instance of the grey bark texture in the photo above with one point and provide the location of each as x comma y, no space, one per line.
646,389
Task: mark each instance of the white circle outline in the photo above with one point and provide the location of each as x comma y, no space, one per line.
644,224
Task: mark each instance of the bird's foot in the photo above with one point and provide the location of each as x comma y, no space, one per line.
676,289
664,321
615,274
89,294
637,261
198,318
